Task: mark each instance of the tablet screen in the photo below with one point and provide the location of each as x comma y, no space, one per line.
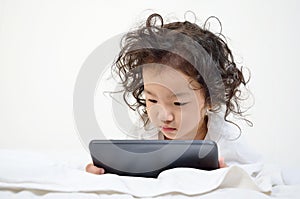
147,158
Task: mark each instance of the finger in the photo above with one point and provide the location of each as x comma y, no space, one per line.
222,162
93,169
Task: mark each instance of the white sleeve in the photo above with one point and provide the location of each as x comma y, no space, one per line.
238,152
231,143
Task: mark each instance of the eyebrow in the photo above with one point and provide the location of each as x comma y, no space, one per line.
146,91
181,94
173,95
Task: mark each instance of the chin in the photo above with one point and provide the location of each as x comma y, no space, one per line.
169,136
172,137
186,136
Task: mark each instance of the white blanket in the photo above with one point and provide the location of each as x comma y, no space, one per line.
29,175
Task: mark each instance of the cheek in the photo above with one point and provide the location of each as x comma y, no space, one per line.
190,117
152,112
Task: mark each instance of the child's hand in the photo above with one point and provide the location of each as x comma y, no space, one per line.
93,169
222,163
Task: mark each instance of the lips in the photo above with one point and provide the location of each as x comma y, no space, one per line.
168,129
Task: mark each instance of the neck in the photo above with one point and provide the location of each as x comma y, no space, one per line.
202,130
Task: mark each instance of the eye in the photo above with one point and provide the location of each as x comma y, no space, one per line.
152,100
180,103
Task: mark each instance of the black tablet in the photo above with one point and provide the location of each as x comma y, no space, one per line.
147,158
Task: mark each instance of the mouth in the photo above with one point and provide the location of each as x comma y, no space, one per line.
167,129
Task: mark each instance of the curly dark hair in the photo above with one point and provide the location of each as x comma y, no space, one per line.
187,47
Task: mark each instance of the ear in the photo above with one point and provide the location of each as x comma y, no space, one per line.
208,105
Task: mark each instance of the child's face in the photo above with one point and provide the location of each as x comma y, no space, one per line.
174,102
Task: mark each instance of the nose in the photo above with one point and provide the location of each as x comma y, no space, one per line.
165,115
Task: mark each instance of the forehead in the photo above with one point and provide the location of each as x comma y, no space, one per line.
168,77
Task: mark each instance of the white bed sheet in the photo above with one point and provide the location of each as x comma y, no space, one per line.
36,175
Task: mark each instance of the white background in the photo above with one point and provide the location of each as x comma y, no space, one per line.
44,43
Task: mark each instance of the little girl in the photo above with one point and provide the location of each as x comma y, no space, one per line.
185,84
